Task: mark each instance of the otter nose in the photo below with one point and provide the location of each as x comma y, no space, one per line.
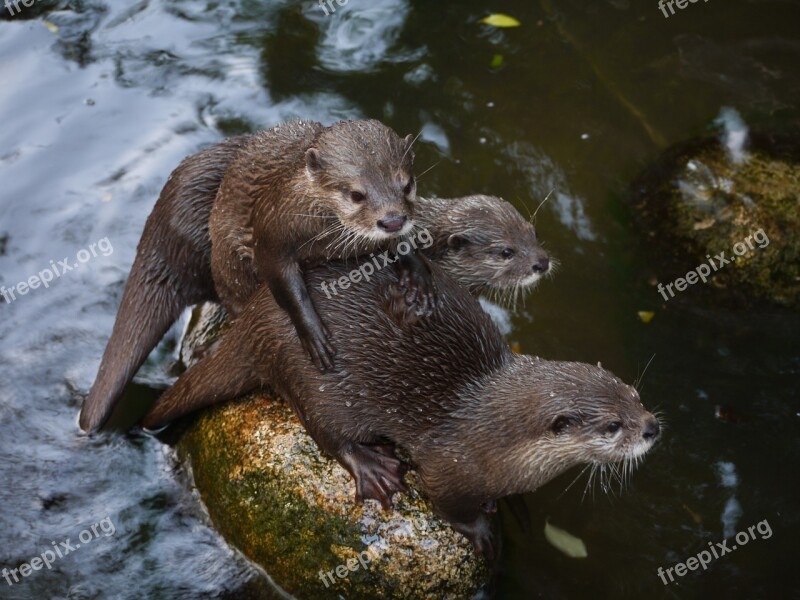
392,223
541,265
651,430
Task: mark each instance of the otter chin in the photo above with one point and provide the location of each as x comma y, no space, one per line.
477,421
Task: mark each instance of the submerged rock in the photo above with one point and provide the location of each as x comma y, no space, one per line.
289,508
714,195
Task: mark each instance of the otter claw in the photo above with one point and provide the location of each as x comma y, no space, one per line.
416,281
378,474
479,532
320,349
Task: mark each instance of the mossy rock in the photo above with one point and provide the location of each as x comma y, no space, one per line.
289,508
697,201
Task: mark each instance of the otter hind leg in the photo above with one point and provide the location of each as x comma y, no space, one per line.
223,374
472,518
480,532
378,473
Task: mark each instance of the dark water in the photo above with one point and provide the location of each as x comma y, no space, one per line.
99,107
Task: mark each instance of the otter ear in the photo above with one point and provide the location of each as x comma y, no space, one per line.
409,140
313,161
560,423
457,241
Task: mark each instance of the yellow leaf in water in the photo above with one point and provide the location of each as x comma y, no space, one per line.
516,348
501,20
565,541
646,316
51,26
497,61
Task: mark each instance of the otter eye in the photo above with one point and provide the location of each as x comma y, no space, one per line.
409,187
357,197
614,427
560,424
507,253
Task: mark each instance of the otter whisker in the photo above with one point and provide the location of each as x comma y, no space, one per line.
546,198
525,204
641,377
327,231
578,476
313,216
411,145
343,233
589,482
436,164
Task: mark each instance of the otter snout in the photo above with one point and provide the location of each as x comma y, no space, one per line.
541,265
651,429
392,223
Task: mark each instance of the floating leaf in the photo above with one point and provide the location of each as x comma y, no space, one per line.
646,316
51,26
565,541
695,517
516,348
501,20
497,61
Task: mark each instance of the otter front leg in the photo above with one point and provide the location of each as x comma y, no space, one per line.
416,279
287,286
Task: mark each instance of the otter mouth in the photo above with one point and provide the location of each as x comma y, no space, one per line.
379,234
530,281
613,473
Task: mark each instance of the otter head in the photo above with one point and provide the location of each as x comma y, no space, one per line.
363,174
576,414
491,248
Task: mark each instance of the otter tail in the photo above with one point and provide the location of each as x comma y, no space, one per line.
172,270
150,305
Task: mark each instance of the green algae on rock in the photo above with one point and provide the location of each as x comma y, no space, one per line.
699,200
289,508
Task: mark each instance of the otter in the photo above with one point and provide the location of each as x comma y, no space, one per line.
172,269
478,421
301,193
273,196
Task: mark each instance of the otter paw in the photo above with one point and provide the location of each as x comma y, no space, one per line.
396,308
479,532
317,344
419,288
378,473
